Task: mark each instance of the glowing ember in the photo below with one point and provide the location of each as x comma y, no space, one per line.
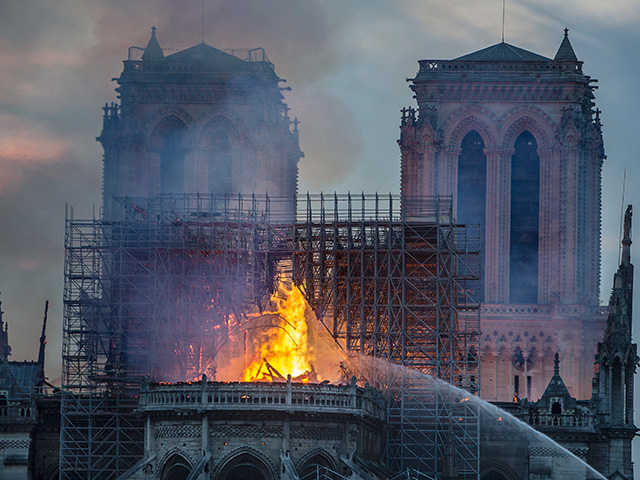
286,350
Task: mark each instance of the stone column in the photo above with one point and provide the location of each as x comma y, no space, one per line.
149,437
567,252
448,174
428,170
548,228
286,427
205,433
497,223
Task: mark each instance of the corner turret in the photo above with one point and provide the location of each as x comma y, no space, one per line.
153,50
565,51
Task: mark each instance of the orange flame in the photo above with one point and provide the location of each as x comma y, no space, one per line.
286,349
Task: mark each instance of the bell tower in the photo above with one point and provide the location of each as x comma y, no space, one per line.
200,120
515,139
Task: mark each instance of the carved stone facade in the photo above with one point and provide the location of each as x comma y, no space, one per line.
259,430
514,138
199,120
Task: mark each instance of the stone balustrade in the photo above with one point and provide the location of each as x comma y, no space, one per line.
542,311
289,396
9,413
564,420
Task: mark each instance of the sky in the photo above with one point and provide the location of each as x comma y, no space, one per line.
346,62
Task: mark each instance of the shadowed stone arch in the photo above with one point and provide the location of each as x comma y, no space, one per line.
218,121
168,145
52,473
468,125
176,467
522,119
245,463
153,120
227,156
313,458
571,141
495,471
427,134
466,119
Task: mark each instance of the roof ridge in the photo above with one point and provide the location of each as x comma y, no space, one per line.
503,52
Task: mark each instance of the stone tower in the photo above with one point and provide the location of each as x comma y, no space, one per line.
514,138
200,120
616,361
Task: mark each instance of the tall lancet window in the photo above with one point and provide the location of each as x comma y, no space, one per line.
171,133
218,154
472,186
525,202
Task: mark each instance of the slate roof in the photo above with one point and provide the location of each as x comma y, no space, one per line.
565,51
20,378
205,54
200,57
503,52
153,50
556,388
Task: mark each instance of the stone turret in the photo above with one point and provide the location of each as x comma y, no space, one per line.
616,360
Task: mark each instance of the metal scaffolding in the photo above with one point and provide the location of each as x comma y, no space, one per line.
393,283
155,291
400,282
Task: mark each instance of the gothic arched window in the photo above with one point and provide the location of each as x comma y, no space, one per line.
176,468
525,202
245,467
218,155
317,463
168,139
472,186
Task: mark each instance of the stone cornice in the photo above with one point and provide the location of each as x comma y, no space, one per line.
499,93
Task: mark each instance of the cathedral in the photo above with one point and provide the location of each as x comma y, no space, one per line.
503,139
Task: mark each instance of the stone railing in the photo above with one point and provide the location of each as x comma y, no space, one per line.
253,63
547,311
564,420
290,397
11,413
461,66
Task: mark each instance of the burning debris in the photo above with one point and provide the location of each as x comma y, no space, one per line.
285,343
268,373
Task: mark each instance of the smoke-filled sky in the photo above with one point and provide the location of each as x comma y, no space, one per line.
346,62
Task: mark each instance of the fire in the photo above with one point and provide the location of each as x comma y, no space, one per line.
286,349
